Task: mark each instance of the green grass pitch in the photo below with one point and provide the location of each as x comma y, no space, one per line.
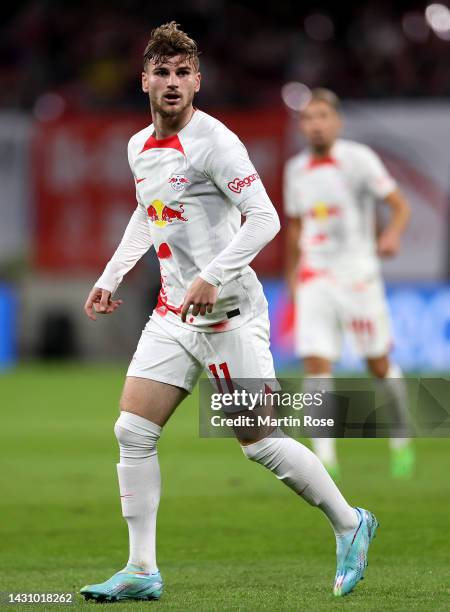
230,536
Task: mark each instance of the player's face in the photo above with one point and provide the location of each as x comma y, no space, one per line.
320,124
171,85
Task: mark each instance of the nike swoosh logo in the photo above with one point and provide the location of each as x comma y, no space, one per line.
139,180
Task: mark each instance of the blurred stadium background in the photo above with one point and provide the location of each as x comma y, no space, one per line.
70,99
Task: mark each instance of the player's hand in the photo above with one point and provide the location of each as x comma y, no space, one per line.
100,301
202,295
388,243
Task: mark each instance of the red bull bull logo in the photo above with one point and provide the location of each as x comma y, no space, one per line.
322,211
178,182
160,214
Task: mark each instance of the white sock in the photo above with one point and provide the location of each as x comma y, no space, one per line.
140,485
300,469
394,389
325,448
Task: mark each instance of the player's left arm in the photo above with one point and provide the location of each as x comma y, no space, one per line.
389,239
382,185
234,174
260,227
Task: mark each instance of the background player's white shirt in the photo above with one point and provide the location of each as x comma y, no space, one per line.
191,190
335,198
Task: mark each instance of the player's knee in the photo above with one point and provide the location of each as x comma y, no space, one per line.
257,451
379,367
137,437
249,451
317,367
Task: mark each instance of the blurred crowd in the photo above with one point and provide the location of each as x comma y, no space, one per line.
87,55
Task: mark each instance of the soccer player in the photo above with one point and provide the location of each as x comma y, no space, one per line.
332,264
193,181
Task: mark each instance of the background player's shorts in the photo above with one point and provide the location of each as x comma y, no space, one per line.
327,309
171,354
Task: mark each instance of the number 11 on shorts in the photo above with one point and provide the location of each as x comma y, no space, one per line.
226,375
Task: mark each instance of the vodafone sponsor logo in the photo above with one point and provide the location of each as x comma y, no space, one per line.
238,184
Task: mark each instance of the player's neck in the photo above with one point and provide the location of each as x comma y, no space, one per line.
322,151
169,126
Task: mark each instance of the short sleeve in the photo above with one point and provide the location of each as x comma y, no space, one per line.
232,172
378,180
291,195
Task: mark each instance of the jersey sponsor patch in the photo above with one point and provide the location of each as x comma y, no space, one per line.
322,211
238,184
160,214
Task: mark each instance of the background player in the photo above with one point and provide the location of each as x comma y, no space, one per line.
193,181
332,263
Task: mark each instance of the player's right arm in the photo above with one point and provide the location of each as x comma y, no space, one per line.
291,199
135,242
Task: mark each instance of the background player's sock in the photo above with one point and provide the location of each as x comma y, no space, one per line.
140,485
395,395
394,389
325,448
300,469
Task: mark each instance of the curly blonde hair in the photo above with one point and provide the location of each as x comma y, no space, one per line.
168,41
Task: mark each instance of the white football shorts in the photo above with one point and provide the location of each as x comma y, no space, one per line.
171,354
326,309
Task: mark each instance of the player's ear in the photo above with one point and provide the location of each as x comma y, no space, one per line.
198,78
145,82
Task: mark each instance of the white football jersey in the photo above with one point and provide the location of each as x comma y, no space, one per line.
335,198
192,189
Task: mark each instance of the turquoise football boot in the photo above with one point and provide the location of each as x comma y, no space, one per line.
128,584
351,551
